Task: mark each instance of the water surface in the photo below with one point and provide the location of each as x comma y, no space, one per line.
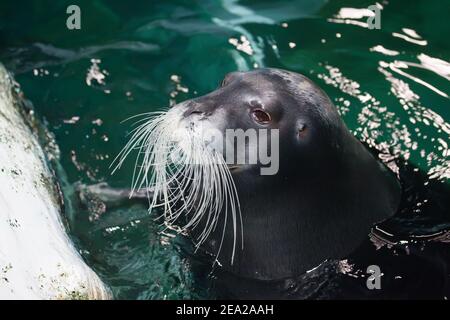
391,86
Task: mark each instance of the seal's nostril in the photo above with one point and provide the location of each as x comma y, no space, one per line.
201,110
203,114
189,113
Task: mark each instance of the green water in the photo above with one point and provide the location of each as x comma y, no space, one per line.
390,85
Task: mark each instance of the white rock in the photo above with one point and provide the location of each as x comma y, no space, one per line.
37,258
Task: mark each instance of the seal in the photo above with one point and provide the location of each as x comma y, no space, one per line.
327,192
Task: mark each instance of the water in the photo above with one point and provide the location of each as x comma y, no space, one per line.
391,86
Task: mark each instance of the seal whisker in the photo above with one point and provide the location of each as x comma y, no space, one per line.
190,180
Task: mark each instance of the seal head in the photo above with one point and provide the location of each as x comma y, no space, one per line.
323,192
327,192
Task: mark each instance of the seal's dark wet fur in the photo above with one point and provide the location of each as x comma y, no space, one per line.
329,189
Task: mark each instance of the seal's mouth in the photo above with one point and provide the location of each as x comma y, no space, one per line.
189,178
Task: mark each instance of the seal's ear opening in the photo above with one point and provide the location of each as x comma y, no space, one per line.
301,129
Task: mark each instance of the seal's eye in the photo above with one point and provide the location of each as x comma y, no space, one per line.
261,116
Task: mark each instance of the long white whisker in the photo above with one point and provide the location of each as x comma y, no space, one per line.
190,181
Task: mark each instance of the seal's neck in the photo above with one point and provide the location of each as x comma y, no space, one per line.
293,227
